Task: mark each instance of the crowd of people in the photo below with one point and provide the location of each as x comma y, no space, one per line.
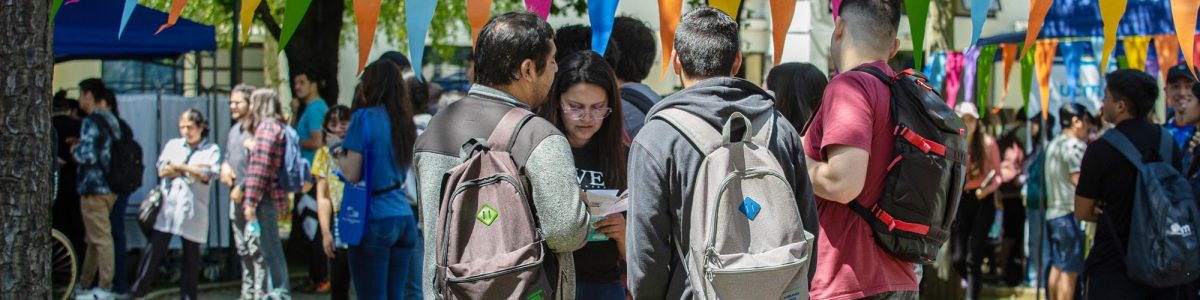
415,199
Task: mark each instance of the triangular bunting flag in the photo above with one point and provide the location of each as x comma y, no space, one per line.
1184,12
1044,61
419,13
601,13
1037,15
176,9
1009,55
668,19
293,12
366,17
781,21
539,7
918,13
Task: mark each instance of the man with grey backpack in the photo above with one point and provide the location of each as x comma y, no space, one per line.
1147,245
720,203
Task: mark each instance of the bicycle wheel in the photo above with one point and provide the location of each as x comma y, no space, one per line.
64,268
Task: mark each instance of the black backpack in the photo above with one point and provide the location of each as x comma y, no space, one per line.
638,99
125,165
925,179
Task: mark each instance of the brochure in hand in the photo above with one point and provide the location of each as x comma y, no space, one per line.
602,203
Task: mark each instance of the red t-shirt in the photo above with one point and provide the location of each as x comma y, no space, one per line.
855,112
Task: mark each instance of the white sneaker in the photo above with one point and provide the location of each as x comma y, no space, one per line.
84,294
102,294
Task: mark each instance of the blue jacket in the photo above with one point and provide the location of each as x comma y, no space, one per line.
94,152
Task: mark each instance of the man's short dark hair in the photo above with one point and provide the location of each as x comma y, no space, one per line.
1069,111
638,48
310,74
507,41
880,19
574,38
707,43
1136,88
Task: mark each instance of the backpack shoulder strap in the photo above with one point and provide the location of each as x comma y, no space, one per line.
764,134
504,134
887,80
1124,146
697,131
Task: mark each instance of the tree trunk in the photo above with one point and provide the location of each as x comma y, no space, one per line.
942,35
25,156
315,44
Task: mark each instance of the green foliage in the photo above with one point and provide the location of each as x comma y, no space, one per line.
449,21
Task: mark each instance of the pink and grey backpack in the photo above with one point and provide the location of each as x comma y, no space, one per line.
489,245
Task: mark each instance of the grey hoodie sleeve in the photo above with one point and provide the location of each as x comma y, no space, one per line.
563,216
648,249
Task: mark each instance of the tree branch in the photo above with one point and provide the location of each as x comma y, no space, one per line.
264,12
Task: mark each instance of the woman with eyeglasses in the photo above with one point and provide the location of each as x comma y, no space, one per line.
582,99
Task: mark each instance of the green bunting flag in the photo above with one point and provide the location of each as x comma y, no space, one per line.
293,12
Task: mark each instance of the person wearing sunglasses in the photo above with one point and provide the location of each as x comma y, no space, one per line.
582,99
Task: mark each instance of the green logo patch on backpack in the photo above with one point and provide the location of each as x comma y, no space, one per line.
487,215
536,295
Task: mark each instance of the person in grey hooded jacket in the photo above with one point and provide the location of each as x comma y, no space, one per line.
662,163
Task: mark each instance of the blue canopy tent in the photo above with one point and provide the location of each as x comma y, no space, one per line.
88,30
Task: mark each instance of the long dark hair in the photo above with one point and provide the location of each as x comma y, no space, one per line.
978,156
383,84
587,67
798,89
337,113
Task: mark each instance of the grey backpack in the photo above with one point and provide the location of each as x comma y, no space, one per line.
488,242
747,240
1163,246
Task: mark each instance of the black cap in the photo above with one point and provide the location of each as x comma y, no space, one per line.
1179,71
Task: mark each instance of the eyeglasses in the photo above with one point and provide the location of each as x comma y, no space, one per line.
578,114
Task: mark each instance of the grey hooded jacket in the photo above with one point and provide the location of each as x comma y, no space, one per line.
662,167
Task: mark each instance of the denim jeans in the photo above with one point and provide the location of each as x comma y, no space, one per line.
121,255
599,291
380,264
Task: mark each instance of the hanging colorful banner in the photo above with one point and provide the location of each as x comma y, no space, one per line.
366,16
918,14
1027,75
1152,61
126,12
1044,61
293,12
983,81
836,5
419,13
979,11
539,7
935,71
1037,15
601,13
478,13
1072,54
1135,51
1167,48
730,7
970,65
954,68
781,17
247,17
1009,55
668,20
1110,12
1184,12
176,9
54,11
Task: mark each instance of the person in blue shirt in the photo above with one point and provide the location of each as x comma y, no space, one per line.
311,112
382,132
1178,89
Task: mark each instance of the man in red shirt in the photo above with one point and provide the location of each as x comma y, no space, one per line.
849,146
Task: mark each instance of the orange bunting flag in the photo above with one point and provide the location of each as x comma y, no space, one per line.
247,16
1042,62
176,9
1010,55
478,12
1184,12
781,20
1167,48
366,16
1037,15
668,19
1110,13
1136,51
730,7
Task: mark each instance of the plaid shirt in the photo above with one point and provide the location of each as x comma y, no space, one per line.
266,157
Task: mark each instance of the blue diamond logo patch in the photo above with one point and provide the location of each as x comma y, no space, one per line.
750,208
